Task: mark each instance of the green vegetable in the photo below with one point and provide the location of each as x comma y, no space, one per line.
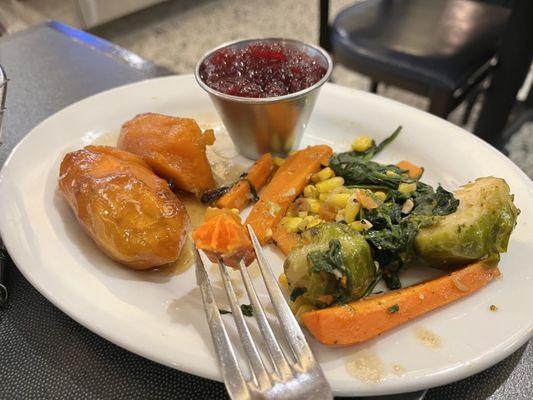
297,292
253,192
357,169
210,196
393,309
373,150
480,227
331,260
430,202
247,310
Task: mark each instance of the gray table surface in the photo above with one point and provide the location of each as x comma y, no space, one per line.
46,355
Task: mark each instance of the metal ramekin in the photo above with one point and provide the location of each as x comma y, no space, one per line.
273,124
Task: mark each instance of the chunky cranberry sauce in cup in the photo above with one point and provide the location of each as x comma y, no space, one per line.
261,70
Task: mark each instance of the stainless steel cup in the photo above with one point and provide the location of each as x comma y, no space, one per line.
272,124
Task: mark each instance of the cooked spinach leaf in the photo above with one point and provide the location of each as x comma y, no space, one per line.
357,169
364,173
297,292
329,261
211,196
430,202
375,149
393,309
247,310
253,192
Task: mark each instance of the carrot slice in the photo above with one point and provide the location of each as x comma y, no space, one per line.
283,239
367,318
239,195
287,183
413,171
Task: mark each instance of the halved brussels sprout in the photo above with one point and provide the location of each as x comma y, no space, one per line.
332,264
480,227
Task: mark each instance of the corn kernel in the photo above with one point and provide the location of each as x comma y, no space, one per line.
362,143
303,309
351,210
381,195
325,173
278,161
314,222
408,206
360,226
323,197
302,214
308,222
322,175
329,184
296,304
314,205
310,192
291,223
338,200
391,174
283,281
407,188
342,189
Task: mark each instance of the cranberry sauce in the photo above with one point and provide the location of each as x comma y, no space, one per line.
260,70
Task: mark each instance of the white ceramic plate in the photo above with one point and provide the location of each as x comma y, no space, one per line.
160,316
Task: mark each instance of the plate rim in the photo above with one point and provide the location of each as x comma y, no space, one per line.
438,378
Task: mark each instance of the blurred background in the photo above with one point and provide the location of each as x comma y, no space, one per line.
436,55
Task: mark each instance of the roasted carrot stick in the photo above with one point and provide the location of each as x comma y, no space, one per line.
239,195
367,318
413,170
287,183
283,239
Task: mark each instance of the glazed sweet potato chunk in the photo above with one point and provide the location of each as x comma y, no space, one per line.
173,147
129,212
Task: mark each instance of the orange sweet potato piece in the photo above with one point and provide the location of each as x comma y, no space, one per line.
286,184
239,195
413,171
222,235
367,318
127,210
284,239
173,147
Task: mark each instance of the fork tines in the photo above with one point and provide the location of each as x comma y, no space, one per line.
302,379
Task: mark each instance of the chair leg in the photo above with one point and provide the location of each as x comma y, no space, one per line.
374,86
469,106
440,102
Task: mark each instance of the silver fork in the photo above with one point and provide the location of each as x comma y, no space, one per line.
302,379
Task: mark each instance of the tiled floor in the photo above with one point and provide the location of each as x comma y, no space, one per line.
176,33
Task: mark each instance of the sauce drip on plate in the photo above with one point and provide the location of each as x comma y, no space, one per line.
196,211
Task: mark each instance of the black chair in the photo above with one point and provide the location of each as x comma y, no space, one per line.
442,49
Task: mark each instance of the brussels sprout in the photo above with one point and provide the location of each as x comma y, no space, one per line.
332,264
480,227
